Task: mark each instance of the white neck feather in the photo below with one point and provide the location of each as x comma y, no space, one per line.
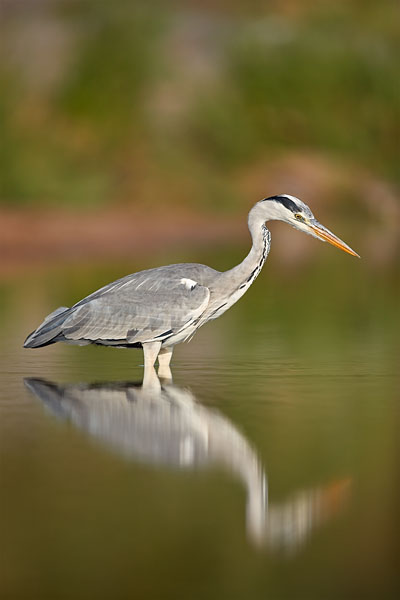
249,268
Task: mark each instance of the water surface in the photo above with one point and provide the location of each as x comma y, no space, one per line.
268,468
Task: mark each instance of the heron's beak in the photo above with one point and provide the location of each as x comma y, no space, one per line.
327,236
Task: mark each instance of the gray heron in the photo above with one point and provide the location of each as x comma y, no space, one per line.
159,308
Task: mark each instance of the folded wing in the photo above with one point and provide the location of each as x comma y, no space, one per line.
143,307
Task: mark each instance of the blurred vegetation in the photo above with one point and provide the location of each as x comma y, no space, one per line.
114,102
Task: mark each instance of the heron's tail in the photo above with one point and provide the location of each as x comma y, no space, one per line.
50,328
50,393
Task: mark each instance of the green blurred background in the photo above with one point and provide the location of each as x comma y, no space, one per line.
202,105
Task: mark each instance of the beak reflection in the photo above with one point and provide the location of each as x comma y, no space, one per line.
327,236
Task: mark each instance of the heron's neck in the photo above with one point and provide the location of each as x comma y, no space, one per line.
249,268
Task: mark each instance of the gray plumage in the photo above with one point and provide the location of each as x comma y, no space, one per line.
158,308
146,306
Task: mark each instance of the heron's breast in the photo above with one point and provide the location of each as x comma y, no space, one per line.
220,307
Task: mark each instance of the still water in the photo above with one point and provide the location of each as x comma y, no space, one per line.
268,467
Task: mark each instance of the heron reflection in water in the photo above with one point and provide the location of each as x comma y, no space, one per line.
163,424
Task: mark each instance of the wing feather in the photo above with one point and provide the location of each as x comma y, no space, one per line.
149,305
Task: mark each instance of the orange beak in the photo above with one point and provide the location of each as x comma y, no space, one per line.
327,236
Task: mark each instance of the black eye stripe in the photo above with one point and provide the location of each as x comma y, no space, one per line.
287,203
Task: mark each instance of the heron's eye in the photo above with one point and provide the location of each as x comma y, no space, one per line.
299,217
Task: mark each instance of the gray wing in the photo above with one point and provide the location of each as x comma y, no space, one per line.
143,307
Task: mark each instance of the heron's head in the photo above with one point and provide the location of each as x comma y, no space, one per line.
293,211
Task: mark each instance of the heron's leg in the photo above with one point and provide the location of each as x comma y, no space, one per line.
150,351
164,358
151,383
